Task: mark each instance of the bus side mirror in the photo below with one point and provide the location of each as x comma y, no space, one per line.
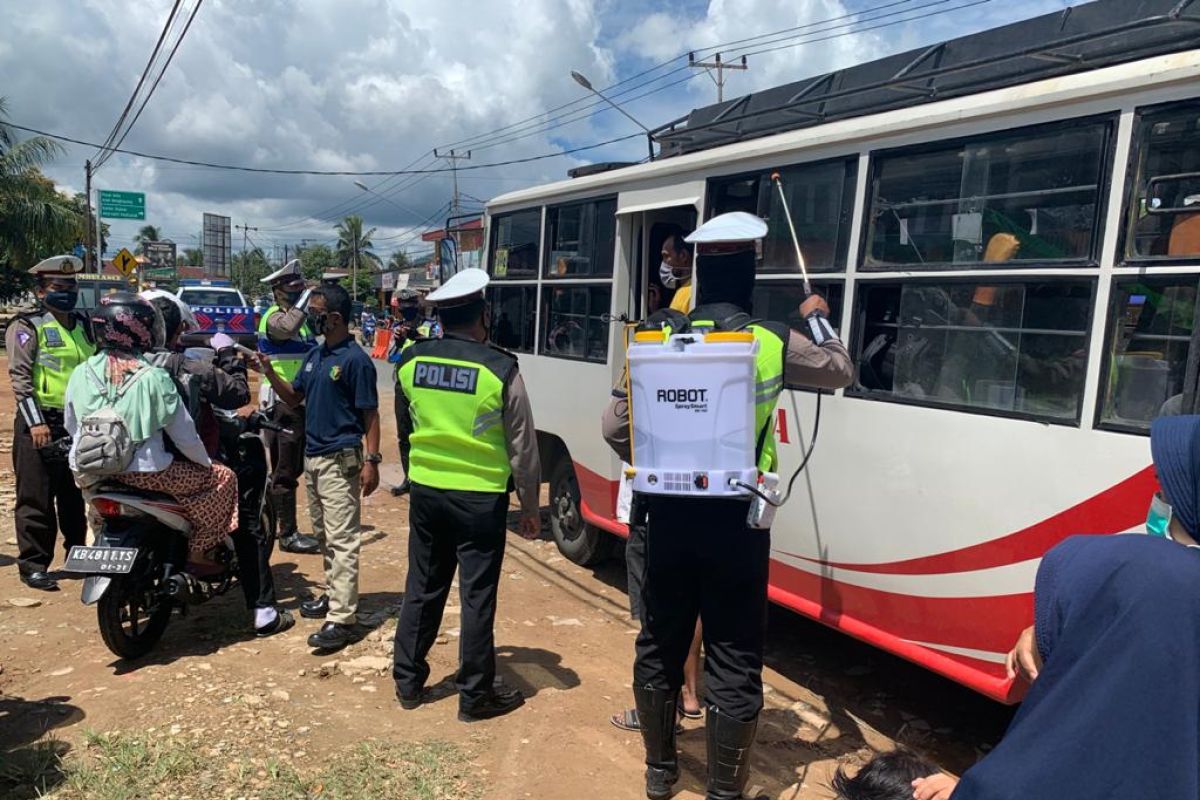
1173,186
448,257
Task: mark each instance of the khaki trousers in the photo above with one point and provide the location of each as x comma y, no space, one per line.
335,507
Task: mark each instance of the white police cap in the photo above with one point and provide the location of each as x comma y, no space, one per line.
57,265
461,289
736,226
286,272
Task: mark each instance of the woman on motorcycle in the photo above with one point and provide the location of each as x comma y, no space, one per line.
152,411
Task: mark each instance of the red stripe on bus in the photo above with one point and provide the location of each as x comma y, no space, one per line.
1114,510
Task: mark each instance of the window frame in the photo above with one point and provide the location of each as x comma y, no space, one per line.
1137,142
544,313
523,285
859,326
842,247
547,243
1106,357
1110,120
493,229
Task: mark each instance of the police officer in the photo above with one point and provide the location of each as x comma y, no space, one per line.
473,440
408,329
43,348
284,335
702,558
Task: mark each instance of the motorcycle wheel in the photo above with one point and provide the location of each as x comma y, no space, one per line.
132,616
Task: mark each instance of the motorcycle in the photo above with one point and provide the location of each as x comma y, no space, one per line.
368,331
140,569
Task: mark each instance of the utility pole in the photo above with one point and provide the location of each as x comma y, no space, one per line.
720,67
453,158
89,260
245,229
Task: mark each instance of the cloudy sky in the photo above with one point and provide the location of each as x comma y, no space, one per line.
361,85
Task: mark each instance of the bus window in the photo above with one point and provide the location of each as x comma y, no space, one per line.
1149,329
1017,196
581,239
1167,185
820,197
1018,349
514,309
574,322
514,247
779,301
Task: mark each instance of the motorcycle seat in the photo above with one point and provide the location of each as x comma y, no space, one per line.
118,488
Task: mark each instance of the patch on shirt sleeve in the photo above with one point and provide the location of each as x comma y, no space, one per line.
23,338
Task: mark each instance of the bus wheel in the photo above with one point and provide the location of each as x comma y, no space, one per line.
581,543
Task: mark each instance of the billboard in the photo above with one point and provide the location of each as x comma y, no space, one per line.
217,245
160,257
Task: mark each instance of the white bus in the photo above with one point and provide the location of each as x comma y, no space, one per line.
1011,257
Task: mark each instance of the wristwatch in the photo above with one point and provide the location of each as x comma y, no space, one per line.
374,458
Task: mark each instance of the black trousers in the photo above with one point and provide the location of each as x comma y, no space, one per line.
702,559
253,544
287,464
47,499
449,529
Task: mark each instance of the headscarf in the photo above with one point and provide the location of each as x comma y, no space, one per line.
1175,447
1115,710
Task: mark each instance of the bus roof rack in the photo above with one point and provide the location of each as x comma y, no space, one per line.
1077,39
596,169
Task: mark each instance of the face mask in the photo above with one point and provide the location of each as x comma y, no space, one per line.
293,297
409,314
1158,518
317,323
667,275
62,301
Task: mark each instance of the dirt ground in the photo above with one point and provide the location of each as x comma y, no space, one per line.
563,637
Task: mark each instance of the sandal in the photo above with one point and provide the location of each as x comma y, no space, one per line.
627,720
697,714
283,621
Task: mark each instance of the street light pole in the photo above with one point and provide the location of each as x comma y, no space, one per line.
586,84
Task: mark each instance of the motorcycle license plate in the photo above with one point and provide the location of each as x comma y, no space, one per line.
101,560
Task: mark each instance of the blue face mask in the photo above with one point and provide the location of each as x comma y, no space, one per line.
1158,518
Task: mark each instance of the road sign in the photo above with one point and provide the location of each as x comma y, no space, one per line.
122,205
158,274
125,262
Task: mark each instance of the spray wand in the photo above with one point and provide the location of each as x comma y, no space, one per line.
787,213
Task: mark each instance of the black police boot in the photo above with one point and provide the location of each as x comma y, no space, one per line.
729,744
291,540
40,581
656,709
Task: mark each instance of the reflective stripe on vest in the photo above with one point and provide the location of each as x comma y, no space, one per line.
455,391
59,351
286,356
768,385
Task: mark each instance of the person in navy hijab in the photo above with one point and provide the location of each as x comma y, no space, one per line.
1113,657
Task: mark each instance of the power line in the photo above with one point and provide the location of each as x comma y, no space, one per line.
112,135
149,94
343,173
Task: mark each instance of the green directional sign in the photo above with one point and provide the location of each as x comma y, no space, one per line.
122,205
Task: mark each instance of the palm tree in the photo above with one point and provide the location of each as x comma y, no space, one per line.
193,257
398,261
34,216
354,248
147,233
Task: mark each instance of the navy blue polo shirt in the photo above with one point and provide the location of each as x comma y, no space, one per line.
338,384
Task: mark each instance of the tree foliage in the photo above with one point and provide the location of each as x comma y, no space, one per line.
249,268
36,220
147,233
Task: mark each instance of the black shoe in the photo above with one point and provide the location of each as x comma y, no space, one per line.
496,703
315,609
40,581
283,621
335,636
402,489
657,711
410,701
297,542
729,744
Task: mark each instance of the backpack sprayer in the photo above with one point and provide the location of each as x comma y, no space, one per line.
692,400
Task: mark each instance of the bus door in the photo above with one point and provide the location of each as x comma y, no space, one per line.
648,217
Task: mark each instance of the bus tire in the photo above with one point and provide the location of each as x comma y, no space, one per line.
582,544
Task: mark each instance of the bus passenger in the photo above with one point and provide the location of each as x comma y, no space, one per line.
1113,657
703,559
675,272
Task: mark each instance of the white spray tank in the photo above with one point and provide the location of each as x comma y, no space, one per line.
691,405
